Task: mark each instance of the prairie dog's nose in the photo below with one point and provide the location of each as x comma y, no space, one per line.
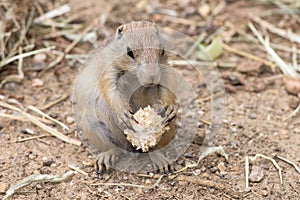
152,80
150,75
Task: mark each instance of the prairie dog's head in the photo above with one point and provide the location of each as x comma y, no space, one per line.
144,47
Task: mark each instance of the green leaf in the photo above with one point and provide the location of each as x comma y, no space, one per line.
212,51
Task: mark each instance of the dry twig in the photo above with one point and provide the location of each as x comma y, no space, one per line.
289,162
38,178
16,78
31,138
283,33
23,32
248,55
49,105
247,172
9,60
70,47
287,70
78,170
219,150
294,113
53,13
34,120
35,109
195,45
21,118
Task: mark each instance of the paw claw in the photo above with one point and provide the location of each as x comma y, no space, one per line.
161,163
105,161
169,115
124,119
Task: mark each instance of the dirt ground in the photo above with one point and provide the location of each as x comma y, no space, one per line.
257,106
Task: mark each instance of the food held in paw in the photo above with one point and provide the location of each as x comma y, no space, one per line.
147,129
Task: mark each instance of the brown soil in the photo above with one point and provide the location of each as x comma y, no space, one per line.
254,121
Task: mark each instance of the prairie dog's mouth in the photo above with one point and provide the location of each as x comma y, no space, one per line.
151,85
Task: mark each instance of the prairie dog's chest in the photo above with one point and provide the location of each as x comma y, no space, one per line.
144,96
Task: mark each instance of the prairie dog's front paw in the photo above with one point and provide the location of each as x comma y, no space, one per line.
105,160
124,119
160,162
168,113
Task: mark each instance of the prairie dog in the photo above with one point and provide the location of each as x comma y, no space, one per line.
119,78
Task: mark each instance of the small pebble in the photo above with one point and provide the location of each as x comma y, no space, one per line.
27,131
40,57
293,102
178,124
100,189
31,156
37,82
249,66
233,123
39,186
180,162
3,187
188,163
88,163
225,121
177,167
190,10
265,193
38,66
10,86
284,134
292,85
277,148
213,170
38,62
197,172
291,127
148,182
48,163
233,129
266,167
240,125
70,120
200,125
234,144
252,116
204,10
189,155
54,115
234,80
222,168
256,174
53,165
173,183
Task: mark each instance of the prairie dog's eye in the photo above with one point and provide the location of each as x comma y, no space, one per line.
130,52
162,52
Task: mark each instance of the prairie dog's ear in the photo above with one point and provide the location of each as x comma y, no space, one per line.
120,30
